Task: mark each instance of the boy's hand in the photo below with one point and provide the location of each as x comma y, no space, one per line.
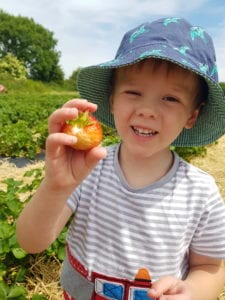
66,167
170,288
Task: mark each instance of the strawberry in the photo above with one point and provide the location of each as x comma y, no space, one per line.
86,128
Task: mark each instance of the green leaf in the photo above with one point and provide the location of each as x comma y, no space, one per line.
20,276
13,241
16,291
38,297
62,237
14,206
3,290
19,253
2,274
4,247
61,252
6,231
2,271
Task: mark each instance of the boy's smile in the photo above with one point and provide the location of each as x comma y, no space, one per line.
144,131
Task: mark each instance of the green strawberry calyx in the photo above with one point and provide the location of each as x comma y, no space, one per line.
82,120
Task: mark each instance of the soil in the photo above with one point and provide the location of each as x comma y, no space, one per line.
213,163
46,274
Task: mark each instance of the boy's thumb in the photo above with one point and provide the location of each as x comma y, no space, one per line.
152,293
162,286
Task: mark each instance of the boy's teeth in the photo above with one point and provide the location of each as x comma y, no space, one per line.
144,132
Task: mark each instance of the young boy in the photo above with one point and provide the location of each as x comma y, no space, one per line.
137,204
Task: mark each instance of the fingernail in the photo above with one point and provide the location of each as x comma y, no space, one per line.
72,139
74,110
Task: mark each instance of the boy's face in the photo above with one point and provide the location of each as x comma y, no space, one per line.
152,103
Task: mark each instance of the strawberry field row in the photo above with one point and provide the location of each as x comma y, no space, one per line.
23,122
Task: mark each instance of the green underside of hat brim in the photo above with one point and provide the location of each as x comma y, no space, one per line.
94,85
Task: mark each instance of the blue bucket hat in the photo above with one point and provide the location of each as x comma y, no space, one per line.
175,40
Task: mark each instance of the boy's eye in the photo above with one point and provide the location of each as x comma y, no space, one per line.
170,99
130,92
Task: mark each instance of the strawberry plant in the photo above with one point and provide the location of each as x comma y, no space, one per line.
18,140
14,261
23,123
188,153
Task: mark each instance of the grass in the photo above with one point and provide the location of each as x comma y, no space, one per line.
27,86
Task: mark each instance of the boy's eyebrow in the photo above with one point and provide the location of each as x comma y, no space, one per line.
183,86
180,88
127,79
130,82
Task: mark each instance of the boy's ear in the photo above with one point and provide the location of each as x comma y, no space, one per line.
192,119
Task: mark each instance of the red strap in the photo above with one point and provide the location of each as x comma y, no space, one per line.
76,264
67,296
93,275
97,297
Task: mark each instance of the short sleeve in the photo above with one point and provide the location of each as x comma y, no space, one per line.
73,200
209,237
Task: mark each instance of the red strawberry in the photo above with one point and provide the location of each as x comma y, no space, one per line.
86,128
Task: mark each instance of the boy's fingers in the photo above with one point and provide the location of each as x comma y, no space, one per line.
81,104
67,112
59,117
55,141
162,286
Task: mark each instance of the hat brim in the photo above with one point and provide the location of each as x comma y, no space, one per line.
94,84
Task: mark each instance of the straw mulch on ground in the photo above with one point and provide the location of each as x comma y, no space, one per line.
44,278
44,275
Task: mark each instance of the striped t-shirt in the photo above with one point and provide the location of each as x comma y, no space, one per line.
118,229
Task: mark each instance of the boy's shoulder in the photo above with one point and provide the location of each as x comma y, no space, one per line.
195,173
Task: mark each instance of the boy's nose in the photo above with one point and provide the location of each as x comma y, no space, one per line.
148,109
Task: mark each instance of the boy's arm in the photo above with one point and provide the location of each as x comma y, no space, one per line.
43,218
206,277
205,280
46,214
